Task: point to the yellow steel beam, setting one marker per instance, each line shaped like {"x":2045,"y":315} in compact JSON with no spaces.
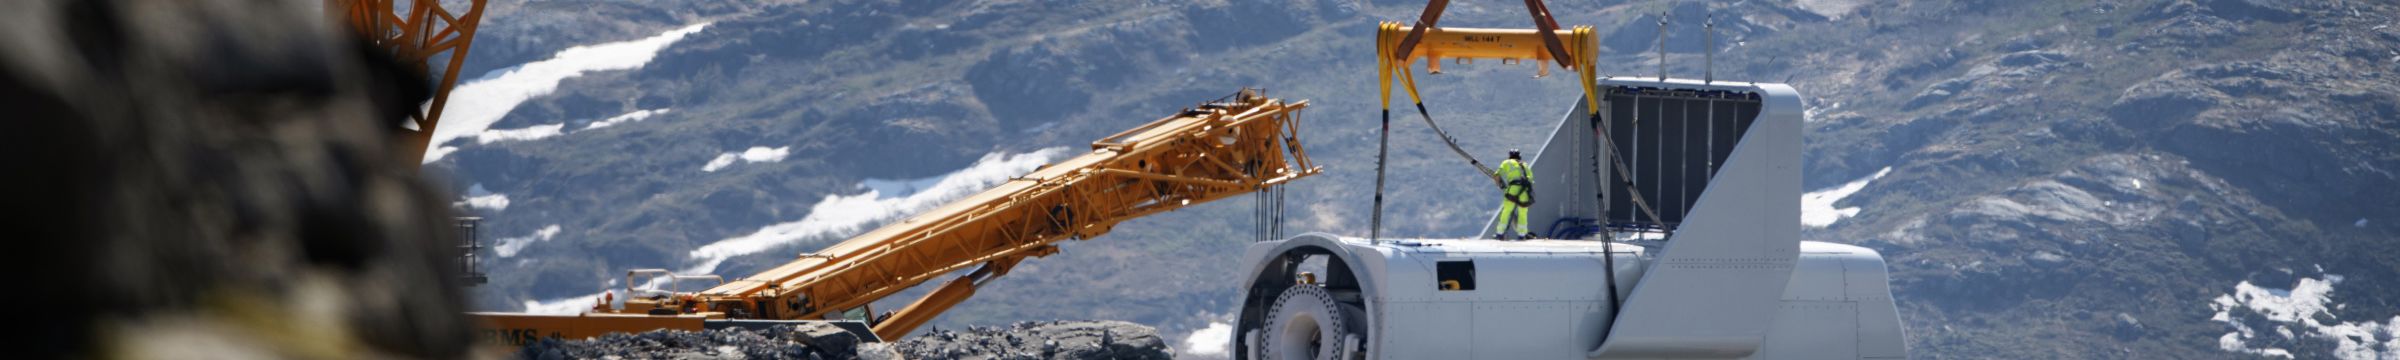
{"x":1473,"y":43}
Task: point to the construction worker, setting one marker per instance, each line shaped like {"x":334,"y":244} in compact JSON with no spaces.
{"x":1516,"y":194}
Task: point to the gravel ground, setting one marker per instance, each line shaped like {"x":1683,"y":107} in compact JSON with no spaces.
{"x":1040,"y":340}
{"x":805,"y":341}
{"x":1026,"y":340}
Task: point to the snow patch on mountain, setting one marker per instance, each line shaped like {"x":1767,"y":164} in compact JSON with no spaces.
{"x":1816,"y":208}
{"x":479,"y":198}
{"x":2303,"y":312}
{"x":510,"y":246}
{"x":844,"y":215}
{"x":636,"y":115}
{"x":536,"y":132}
{"x":756,"y":154}
{"x":1831,"y":9}
{"x":477,"y":104}
{"x":493,"y":202}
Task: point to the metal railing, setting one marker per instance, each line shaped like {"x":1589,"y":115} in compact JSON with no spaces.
{"x":470,"y":244}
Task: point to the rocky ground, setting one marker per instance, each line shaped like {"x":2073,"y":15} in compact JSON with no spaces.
{"x":806,"y":341}
{"x":1040,"y":340}
{"x":1058,"y":340}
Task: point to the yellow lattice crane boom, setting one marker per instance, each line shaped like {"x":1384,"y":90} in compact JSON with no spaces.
{"x":1238,"y":145}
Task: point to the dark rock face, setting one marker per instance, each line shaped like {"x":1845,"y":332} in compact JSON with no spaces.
{"x":889,"y":128}
{"x":1058,"y":76}
{"x":2050,"y":179}
{"x":2330,"y":153}
{"x":511,"y":35}
{"x":1687,"y":30}
{"x":1052,"y":79}
{"x":783,"y":32}
{"x":1242,"y":23}
{"x":1920,"y":66}
{"x":216,"y":176}
{"x":1041,"y":340}
{"x":1028,"y":87}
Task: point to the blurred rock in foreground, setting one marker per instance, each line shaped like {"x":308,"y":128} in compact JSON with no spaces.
{"x":211,"y":179}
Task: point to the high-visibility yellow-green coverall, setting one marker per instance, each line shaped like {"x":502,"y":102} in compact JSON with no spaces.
{"x":1516,"y":193}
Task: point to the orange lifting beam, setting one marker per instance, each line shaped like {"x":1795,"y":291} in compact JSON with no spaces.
{"x":415,"y":33}
{"x":1394,"y":60}
{"x":1242,"y":144}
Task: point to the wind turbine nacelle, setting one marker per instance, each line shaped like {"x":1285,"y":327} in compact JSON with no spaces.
{"x":1712,"y":168}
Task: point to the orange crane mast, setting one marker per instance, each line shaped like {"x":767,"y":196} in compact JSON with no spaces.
{"x":416,"y":33}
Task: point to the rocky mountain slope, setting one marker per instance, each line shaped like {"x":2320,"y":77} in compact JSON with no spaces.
{"x":2111,"y":179}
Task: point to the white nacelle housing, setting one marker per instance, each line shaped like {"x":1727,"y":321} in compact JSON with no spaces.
{"x":1716,"y":167}
{"x":1547,"y":299}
